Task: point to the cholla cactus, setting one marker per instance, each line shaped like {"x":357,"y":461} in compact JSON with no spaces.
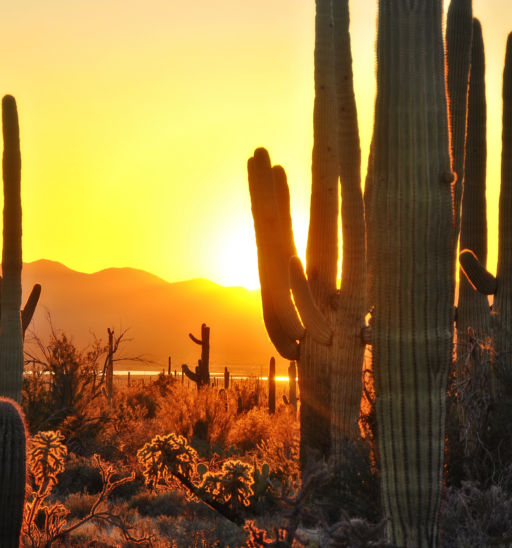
{"x":231,"y":486}
{"x":165,"y":456}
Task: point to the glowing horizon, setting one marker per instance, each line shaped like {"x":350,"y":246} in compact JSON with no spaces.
{"x":137,"y":121}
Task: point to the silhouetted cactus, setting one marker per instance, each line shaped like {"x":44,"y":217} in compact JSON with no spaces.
{"x":12,"y":322}
{"x":292,"y":384}
{"x":13,"y":464}
{"x":202,"y":374}
{"x":226,"y":378}
{"x":412,"y":220}
{"x":473,"y":307}
{"x":331,"y":351}
{"x":272,"y":386}
{"x":483,"y":281}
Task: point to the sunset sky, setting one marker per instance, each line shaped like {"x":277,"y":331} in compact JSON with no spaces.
{"x":138,"y":116}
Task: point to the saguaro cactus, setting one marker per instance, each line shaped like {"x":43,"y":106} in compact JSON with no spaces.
{"x":330,"y":352}
{"x":12,"y":472}
{"x":483,"y":281}
{"x":411,"y":215}
{"x":202,"y":374}
{"x":473,"y":307}
{"x":12,"y":321}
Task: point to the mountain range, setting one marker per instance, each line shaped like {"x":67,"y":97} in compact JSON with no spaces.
{"x":157,"y":315}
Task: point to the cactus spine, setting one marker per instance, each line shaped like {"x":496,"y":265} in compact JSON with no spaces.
{"x":411,"y":213}
{"x":202,"y":374}
{"x":12,"y":321}
{"x":13,"y":464}
{"x":331,"y":351}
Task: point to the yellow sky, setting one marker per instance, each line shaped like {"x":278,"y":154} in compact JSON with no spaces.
{"x":138,"y":116}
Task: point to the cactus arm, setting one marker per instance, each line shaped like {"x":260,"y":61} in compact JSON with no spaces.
{"x":473,"y":307}
{"x":13,"y":437}
{"x":195,"y":339}
{"x":322,"y":245}
{"x":479,"y":278}
{"x":503,"y":299}
{"x":269,"y":202}
{"x":459,"y":29}
{"x":412,"y":326}
{"x":348,"y":350}
{"x":11,"y":337}
{"x":30,"y":306}
{"x":190,"y":374}
{"x":316,"y":324}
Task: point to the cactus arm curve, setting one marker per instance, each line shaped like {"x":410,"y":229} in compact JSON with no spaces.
{"x":316,"y":323}
{"x":30,"y":306}
{"x":190,"y":374}
{"x":195,"y":339}
{"x":480,"y":279}
{"x":274,"y":239}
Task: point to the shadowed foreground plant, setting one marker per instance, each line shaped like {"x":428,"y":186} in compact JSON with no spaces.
{"x":45,"y":523}
{"x":170,"y":456}
{"x":12,"y":472}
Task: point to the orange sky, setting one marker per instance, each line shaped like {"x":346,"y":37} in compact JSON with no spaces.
{"x":137,"y":118}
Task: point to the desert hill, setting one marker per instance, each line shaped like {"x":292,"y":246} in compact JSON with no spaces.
{"x":158,"y":315}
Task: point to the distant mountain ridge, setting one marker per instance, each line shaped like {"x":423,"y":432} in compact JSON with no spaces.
{"x":158,"y":315}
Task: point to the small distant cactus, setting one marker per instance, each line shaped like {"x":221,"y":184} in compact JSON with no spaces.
{"x":202,"y":374}
{"x":272,"y":386}
{"x":13,"y":464}
{"x":226,"y":378}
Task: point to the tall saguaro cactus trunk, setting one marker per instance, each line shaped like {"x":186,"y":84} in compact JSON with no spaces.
{"x":411,"y":212}
{"x":501,"y":285}
{"x":11,"y":338}
{"x":473,"y":307}
{"x":329,"y":351}
{"x":13,"y":322}
{"x":502,"y":307}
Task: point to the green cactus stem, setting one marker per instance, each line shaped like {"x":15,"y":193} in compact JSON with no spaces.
{"x":473,"y":307}
{"x":329,"y":353}
{"x":501,"y":285}
{"x":411,"y":214}
{"x":272,"y":386}
{"x":13,"y":436}
{"x":202,"y":374}
{"x":11,"y":326}
{"x":459,"y":30}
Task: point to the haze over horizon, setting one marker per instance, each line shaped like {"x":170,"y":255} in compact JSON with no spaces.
{"x":137,"y":121}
